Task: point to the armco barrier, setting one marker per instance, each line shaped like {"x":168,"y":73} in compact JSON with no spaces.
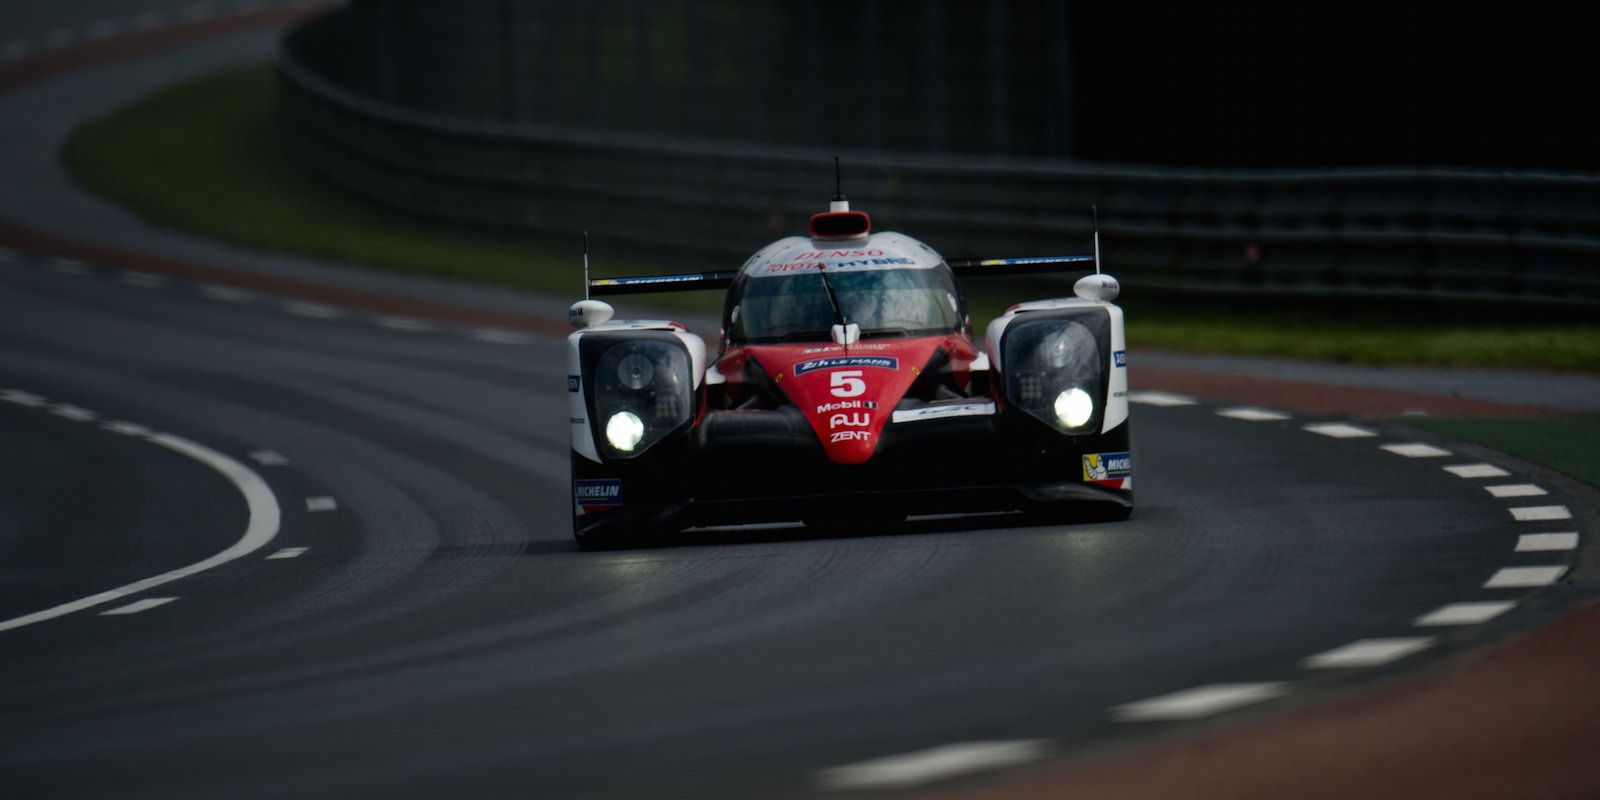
{"x":1531,"y":238}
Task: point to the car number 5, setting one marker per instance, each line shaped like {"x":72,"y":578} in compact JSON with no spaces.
{"x":847,"y":383}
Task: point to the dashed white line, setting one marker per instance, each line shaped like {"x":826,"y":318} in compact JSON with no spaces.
{"x":908,"y":770}
{"x":1252,"y":414}
{"x":72,"y":412}
{"x":137,"y":606}
{"x":406,"y":324}
{"x":321,"y":504}
{"x":289,"y":552}
{"x":268,"y":458}
{"x":1201,"y":701}
{"x":146,"y":280}
{"x":1524,"y":577}
{"x":260,"y":530}
{"x":1463,"y":613}
{"x":67,"y":266}
{"x":501,"y":337}
{"x":1369,"y":653}
{"x":127,"y":428}
{"x":1416,"y":450}
{"x":226,"y":293}
{"x":313,"y":310}
{"x":1339,"y":430}
{"x":1515,"y":490}
{"x":1476,"y":471}
{"x":1540,"y":513}
{"x":1542,"y":542}
{"x":1160,"y":399}
{"x":22,"y":398}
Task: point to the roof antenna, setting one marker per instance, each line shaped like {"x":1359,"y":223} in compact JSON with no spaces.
{"x":1094,"y":212}
{"x":586,"y":265}
{"x":839,"y":203}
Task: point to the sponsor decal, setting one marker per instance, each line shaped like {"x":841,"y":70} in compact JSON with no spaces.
{"x":839,"y":348}
{"x":940,"y":412}
{"x":882,"y":362}
{"x":850,"y":420}
{"x":1120,"y":358}
{"x":578,"y":420}
{"x":844,"y":404}
{"x":841,"y":253}
{"x":850,"y":436}
{"x":1106,"y":466}
{"x":795,"y":266}
{"x":594,"y":495}
{"x":573,"y":383}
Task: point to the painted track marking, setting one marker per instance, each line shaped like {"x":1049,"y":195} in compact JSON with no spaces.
{"x":268,"y":458}
{"x":1540,"y":513}
{"x":1515,"y":490}
{"x":262,"y":527}
{"x":1541,"y":542}
{"x":501,"y":337}
{"x":1369,"y":653}
{"x":289,"y":552}
{"x":1201,"y":701}
{"x":301,"y":308}
{"x":1524,"y":577}
{"x":227,"y":293}
{"x":1339,"y":430}
{"x":406,"y":324}
{"x":1416,"y":450}
{"x":145,"y":280}
{"x":127,"y":428}
{"x":72,"y":412}
{"x":22,"y":398}
{"x":1464,"y":613}
{"x":1160,"y":399}
{"x":321,"y":504}
{"x":1250,"y":414}
{"x":137,"y":606}
{"x":926,"y":766}
{"x":1476,"y":471}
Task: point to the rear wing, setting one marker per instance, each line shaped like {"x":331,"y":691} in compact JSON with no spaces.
{"x":696,"y":281}
{"x":977,"y":267}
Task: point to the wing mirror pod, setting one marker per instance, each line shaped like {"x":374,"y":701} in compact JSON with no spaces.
{"x":589,"y":313}
{"x":1098,"y":287}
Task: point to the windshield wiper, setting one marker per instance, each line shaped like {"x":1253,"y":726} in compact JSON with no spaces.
{"x":833,"y":299}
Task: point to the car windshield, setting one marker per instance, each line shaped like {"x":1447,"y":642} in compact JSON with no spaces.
{"x":884,"y":302}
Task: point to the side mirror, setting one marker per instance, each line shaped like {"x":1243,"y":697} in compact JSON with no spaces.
{"x":1099,"y":287}
{"x":589,"y":313}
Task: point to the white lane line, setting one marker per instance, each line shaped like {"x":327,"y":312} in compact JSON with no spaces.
{"x":1463,"y":613}
{"x":1201,"y":701}
{"x":1542,"y":542}
{"x":1160,"y":399}
{"x":59,"y":38}
{"x":1524,"y":577}
{"x":1339,"y":430}
{"x":15,"y":50}
{"x":1252,"y":414}
{"x":1515,"y":490}
{"x":1369,"y":653}
{"x":226,"y":293}
{"x":313,"y":310}
{"x":289,"y":552}
{"x":137,"y":606}
{"x":406,"y":324}
{"x":262,"y":527}
{"x":67,"y":266}
{"x":127,"y":428}
{"x":501,"y":337}
{"x":907,"y":770}
{"x":1416,"y":450}
{"x":1476,"y":471}
{"x":268,"y":458}
{"x":74,"y":413}
{"x":22,"y":398}
{"x":146,"y":280}
{"x":1540,"y":513}
{"x":321,"y":504}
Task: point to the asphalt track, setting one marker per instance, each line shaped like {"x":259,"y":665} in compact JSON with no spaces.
{"x":418,"y":624}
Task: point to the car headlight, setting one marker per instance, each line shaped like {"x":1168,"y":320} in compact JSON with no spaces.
{"x":1054,"y":372}
{"x":642,"y":392}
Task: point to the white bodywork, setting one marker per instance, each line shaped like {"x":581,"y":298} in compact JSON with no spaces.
{"x":578,"y":403}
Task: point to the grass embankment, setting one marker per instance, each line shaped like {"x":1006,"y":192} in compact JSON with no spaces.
{"x":1565,"y":444}
{"x":203,"y":157}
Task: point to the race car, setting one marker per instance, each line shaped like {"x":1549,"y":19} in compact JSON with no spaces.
{"x":848,"y":389}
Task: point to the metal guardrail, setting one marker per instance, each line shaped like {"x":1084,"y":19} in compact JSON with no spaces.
{"x":1532,"y":238}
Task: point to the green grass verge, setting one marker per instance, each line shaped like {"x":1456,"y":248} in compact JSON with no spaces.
{"x":203,"y":157}
{"x":1565,"y":444}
